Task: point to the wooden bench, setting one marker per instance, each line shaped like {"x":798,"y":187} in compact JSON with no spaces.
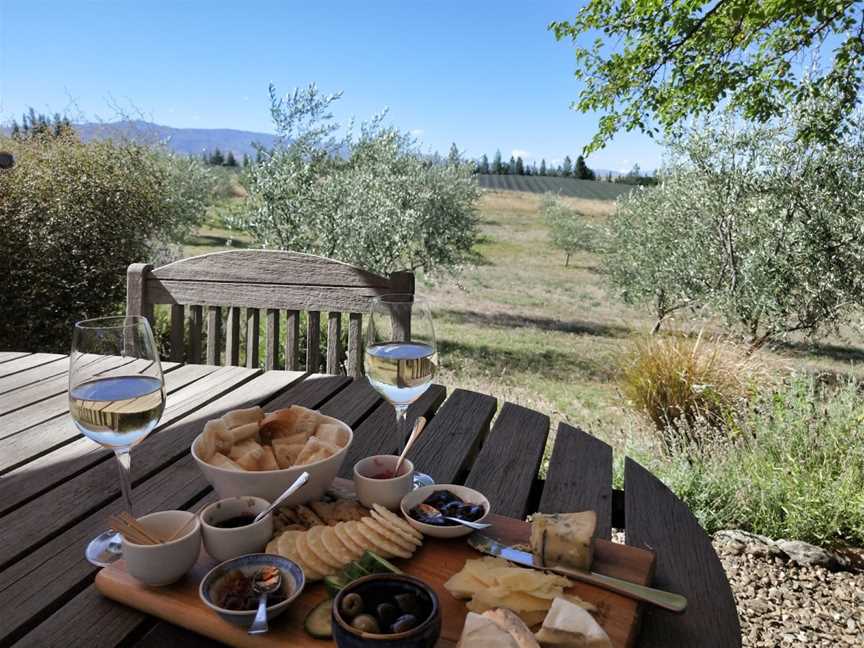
{"x":256,"y":280}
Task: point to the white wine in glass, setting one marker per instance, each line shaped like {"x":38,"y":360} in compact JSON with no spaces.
{"x":116,"y":398}
{"x":401,"y":356}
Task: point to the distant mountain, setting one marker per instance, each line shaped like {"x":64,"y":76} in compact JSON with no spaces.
{"x":191,"y":141}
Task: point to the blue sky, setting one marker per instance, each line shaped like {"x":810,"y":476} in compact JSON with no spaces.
{"x":485,"y":75}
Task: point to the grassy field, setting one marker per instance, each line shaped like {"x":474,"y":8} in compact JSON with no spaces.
{"x":570,"y":187}
{"x":524,"y":328}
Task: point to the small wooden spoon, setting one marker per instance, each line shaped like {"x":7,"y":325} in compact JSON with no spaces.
{"x":419,"y":424}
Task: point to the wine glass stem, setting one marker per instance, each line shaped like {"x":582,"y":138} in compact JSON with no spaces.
{"x":124,"y":461}
{"x":402,"y":424}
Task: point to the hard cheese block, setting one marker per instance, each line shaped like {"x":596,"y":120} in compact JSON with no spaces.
{"x":563,"y":539}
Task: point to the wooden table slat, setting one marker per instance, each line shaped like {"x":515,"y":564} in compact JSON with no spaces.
{"x":449,"y":443}
{"x":6,"y":356}
{"x":509,"y":461}
{"x":313,"y":392}
{"x":28,"y":362}
{"x":580,"y":477}
{"x":352,"y":403}
{"x":686,"y":563}
{"x":377,"y":433}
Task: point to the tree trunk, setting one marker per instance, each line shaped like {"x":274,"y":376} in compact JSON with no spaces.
{"x":567,"y":260}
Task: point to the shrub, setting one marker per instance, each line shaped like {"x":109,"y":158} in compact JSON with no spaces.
{"x":753,"y":222}
{"x":794,"y":472}
{"x":72,"y":217}
{"x":676,"y":381}
{"x":374,"y":201}
{"x":570,"y":230}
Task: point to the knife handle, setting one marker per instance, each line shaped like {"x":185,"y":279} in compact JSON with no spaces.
{"x":666,"y":600}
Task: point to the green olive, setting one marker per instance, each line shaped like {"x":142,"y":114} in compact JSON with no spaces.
{"x":366,"y":623}
{"x":352,"y":605}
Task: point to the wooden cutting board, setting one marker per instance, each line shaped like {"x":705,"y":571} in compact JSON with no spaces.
{"x":434,"y":563}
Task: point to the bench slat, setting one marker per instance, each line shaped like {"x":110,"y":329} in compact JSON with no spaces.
{"x":580,"y":477}
{"x":253,"y":321}
{"x":232,"y":337}
{"x":355,"y":345}
{"x":313,"y":340}
{"x":196,"y":322}
{"x":292,"y":340}
{"x":272,"y":359}
{"x":510,"y":458}
{"x":334,"y":342}
{"x":214,"y":335}
{"x":178,"y":319}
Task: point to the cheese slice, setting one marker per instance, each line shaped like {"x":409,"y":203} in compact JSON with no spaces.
{"x":569,"y":626}
{"x":510,"y":622}
{"x":482,"y":632}
{"x":564,"y":539}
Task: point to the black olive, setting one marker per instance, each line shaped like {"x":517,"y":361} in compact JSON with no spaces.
{"x":441,"y":497}
{"x":452,"y":509}
{"x":472,"y":512}
{"x":352,"y":605}
{"x":366,"y":623}
{"x":407,"y":602}
{"x":404,"y":623}
{"x":387,"y":614}
{"x":426,"y":518}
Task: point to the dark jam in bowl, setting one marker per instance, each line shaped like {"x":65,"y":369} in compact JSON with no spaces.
{"x":236,"y":522}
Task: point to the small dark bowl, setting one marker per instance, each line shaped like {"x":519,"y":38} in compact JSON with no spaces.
{"x":424,"y":635}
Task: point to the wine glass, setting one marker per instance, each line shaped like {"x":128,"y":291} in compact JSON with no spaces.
{"x":116,"y":398}
{"x":401,"y":356}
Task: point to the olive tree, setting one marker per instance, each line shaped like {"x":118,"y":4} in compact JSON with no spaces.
{"x":569,"y":230}
{"x":752,"y":222}
{"x":370,"y":199}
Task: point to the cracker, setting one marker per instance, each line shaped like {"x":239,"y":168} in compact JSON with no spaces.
{"x":338,"y":548}
{"x":325,"y":511}
{"x":316,"y":544}
{"x":345,"y":538}
{"x":396,"y":521}
{"x":347,"y":510}
{"x":401,"y":532}
{"x":388,"y":534}
{"x":307,"y":516}
{"x":353,"y":531}
{"x":380,"y":544}
{"x":287,"y":547}
{"x":305,"y":553}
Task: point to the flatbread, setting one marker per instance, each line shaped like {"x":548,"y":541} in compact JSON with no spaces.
{"x":396,"y":522}
{"x":316,"y":544}
{"x":389,"y":534}
{"x":335,"y":546}
{"x":381,"y":544}
{"x":304,"y":551}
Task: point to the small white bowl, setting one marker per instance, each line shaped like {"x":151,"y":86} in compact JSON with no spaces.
{"x":270,"y":484}
{"x":292,"y":576}
{"x":468,"y":495}
{"x":385,"y":492}
{"x":223,"y":544}
{"x":166,"y":563}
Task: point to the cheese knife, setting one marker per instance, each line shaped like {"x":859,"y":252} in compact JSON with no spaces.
{"x":666,"y":600}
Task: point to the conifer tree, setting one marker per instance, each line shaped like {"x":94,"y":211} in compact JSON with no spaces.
{"x":230,"y":160}
{"x":520,"y":166}
{"x":483,"y":166}
{"x":511,"y":167}
{"x":497,"y":167}
{"x":567,"y":167}
{"x":543,"y":167}
{"x":454,"y":156}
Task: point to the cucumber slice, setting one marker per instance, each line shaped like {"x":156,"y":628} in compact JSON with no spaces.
{"x":375,"y":564}
{"x":318,"y":621}
{"x":335,"y":583}
{"x":353,"y":571}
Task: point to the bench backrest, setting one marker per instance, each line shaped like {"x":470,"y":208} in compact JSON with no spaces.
{"x":255,"y":281}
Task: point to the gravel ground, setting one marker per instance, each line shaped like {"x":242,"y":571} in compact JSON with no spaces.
{"x":784,"y":604}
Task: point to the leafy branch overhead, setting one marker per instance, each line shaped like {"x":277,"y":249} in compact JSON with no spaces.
{"x":653,"y":63}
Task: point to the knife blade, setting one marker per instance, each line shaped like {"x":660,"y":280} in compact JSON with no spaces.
{"x":666,"y":600}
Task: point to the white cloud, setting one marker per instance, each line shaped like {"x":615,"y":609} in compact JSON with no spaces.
{"x":417,"y":132}
{"x":525,"y":155}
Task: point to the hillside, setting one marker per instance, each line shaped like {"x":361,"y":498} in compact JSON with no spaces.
{"x":570,"y":187}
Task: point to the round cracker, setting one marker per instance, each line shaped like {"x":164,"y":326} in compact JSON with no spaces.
{"x":396,"y":531}
{"x":287,"y":547}
{"x":353,"y":530}
{"x":336,"y":547}
{"x":396,"y":522}
{"x":346,"y":539}
{"x":380,"y":543}
{"x":316,"y":544}
{"x":385,"y":532}
{"x":308,"y":557}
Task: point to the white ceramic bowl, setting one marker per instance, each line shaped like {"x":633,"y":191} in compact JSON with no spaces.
{"x":223,"y":544}
{"x":270,"y":484}
{"x":468,"y":495}
{"x":292,"y":575}
{"x":385,"y":492}
{"x":166,"y":563}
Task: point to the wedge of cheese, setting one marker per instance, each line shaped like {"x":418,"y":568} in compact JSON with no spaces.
{"x":483,"y":632}
{"x":569,"y":626}
{"x":514,"y":626}
{"x":564,"y":539}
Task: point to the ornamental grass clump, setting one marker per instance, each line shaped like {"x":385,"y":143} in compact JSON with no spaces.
{"x":676,"y":381}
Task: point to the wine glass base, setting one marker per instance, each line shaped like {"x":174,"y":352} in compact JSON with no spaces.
{"x":422,"y":479}
{"x":104,"y":549}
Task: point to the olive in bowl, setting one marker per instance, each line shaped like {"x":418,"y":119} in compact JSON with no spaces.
{"x":386,"y":610}
{"x":424,"y":508}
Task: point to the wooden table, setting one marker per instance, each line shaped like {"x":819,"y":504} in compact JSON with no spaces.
{"x":57,"y":489}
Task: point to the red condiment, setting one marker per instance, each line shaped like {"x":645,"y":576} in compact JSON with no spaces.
{"x":385,"y":474}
